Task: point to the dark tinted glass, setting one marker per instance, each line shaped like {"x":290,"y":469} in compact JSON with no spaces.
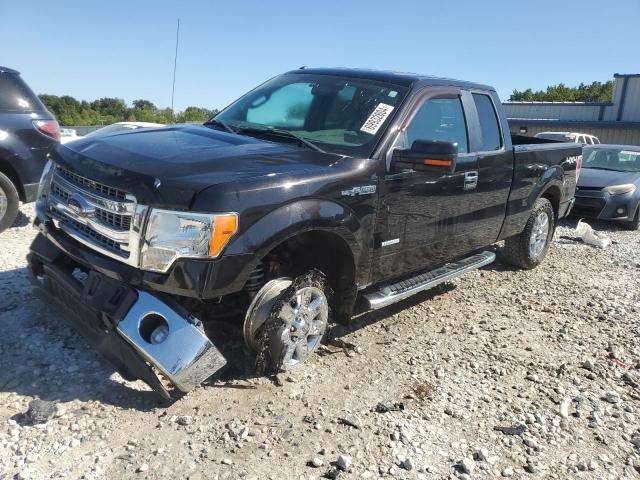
{"x":488,"y":122}
{"x":15,"y":96}
{"x":439,"y":119}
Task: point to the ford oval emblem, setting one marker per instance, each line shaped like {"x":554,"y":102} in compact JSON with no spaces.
{"x":80,"y":206}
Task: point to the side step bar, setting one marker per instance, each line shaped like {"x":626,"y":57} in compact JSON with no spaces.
{"x":388,"y":294}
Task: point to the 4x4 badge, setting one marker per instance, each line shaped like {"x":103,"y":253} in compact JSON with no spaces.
{"x":365,"y":190}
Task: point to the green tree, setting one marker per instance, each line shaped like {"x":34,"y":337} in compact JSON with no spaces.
{"x":104,"y":111}
{"x":594,"y":92}
{"x":195,"y":114}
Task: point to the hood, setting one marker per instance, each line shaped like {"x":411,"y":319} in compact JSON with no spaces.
{"x":183,"y":159}
{"x":596,"y":178}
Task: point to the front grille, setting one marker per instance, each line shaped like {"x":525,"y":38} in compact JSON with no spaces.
{"x":121,"y":222}
{"x":91,"y":234}
{"x":96,"y":215}
{"x":588,"y":207}
{"x":92,"y":185}
{"x":111,"y":219}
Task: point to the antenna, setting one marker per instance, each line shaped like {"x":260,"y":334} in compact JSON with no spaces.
{"x":175,"y":63}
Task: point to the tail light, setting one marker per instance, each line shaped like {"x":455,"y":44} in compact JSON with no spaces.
{"x":578,"y":167}
{"x":48,"y":127}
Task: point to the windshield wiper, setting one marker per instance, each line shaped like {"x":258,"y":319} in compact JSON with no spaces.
{"x":276,"y":132}
{"x":220,"y":123}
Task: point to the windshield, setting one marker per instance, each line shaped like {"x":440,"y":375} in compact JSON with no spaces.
{"x":337,"y":114}
{"x":612,"y":159}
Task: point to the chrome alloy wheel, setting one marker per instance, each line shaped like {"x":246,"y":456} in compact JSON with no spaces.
{"x":4,"y":203}
{"x":539,"y":234}
{"x":305,"y":318}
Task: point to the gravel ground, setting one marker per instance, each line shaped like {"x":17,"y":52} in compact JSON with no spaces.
{"x":552,"y":354}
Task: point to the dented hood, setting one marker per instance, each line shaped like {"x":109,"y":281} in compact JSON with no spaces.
{"x":182,"y":160}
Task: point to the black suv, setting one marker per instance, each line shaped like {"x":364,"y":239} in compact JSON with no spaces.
{"x":28,"y":132}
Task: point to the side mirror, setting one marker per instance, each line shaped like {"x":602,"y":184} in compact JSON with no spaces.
{"x":427,"y":156}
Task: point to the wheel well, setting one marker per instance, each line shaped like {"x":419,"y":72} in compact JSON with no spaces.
{"x":553,"y":195}
{"x":326,"y":251}
{"x":7,"y":169}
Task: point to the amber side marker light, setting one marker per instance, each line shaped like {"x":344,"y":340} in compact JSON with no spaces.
{"x":437,"y":163}
{"x":224,"y":227}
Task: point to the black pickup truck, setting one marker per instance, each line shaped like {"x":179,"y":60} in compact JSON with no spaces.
{"x":320,"y":192}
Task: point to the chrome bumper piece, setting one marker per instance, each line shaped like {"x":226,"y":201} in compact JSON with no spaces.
{"x":186,"y":357}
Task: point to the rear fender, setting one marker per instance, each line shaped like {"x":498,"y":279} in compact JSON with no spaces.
{"x":519,"y":209}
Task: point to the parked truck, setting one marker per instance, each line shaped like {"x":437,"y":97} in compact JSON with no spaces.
{"x":319,"y":193}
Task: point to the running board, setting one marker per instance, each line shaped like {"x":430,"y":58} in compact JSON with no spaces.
{"x":388,"y":294}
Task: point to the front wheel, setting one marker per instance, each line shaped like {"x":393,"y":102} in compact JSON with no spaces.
{"x":528,"y":249}
{"x":295,"y":325}
{"x":9,"y":202}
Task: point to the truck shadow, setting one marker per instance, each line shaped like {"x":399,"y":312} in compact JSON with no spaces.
{"x":42,"y":357}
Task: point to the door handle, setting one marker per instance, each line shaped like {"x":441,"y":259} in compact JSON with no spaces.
{"x":470,"y":180}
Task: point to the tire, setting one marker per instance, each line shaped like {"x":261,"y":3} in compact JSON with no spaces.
{"x":528,"y":249}
{"x":296,"y":325}
{"x":9,"y":202}
{"x":635,"y":223}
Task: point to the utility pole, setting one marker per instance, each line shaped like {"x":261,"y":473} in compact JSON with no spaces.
{"x":175,"y":64}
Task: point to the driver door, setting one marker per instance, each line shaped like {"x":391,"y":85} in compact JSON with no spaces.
{"x":425,"y":218}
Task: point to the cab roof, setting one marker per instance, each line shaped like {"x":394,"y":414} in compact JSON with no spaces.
{"x":8,"y":70}
{"x":396,"y":78}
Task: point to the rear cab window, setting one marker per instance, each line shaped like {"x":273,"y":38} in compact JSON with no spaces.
{"x":489,"y":127}
{"x":16,"y":96}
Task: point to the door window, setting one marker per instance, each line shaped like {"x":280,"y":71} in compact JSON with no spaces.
{"x":439,"y":119}
{"x":489,"y":127}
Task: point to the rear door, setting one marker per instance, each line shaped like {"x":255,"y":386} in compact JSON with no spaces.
{"x":495,"y":167}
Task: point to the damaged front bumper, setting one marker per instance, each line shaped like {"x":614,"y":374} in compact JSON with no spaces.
{"x":138,"y":333}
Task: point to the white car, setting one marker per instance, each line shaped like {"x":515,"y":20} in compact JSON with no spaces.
{"x":572,"y":137}
{"x":68,"y":134}
{"x":122,"y":127}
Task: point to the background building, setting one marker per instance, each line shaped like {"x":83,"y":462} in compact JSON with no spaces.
{"x":612,"y":122}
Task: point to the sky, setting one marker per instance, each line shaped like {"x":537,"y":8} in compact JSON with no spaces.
{"x":126,"y":49}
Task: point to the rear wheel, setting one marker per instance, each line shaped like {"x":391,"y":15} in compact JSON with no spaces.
{"x":635,"y":223}
{"x":528,"y":249}
{"x":9,"y":202}
{"x":287,"y":327}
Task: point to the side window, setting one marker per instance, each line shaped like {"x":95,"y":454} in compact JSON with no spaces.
{"x":489,"y":128}
{"x":439,"y":119}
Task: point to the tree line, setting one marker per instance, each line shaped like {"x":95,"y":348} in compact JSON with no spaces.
{"x":594,"y":92}
{"x":104,"y":111}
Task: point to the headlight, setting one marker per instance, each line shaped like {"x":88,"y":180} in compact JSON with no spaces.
{"x":171,"y":235}
{"x":620,"y":189}
{"x":45,"y":179}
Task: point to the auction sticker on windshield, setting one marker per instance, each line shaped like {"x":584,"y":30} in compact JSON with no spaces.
{"x":377,"y":118}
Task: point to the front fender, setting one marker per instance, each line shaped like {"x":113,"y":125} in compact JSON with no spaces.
{"x":294,"y":218}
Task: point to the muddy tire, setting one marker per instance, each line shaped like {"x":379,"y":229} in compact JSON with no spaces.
{"x":9,"y":202}
{"x":296,"y":325}
{"x":528,"y":249}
